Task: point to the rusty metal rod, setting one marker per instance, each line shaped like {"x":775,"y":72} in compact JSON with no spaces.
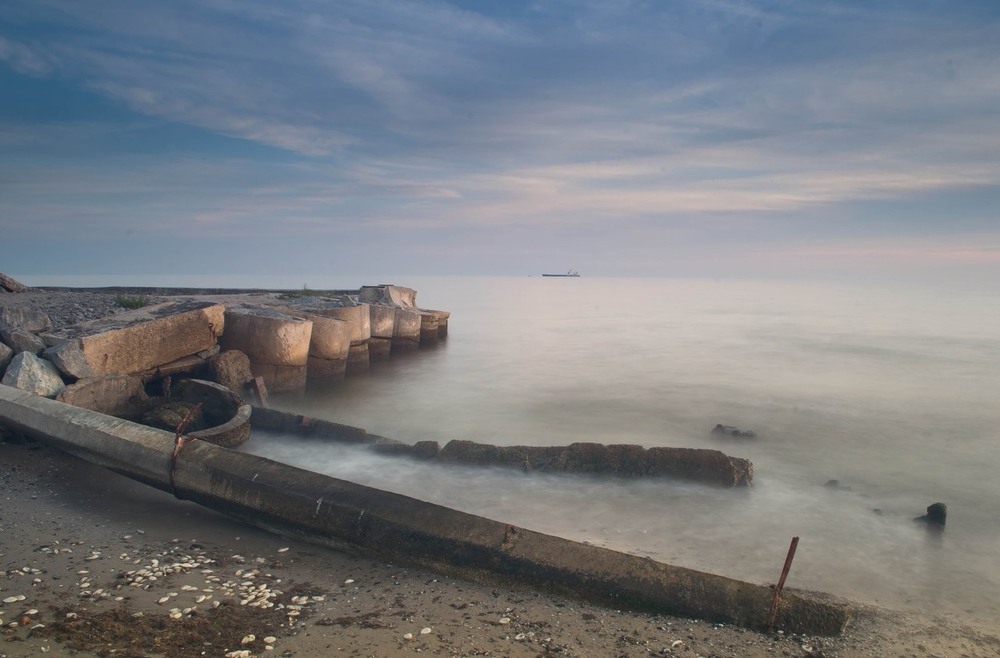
{"x":781,"y":583}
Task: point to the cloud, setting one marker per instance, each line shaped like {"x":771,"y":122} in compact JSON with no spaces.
{"x":356,"y":117}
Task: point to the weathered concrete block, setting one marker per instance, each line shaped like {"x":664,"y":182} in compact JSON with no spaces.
{"x":152,"y":338}
{"x":428,"y":328}
{"x":24,"y":318}
{"x":388,"y":294}
{"x":326,"y":369}
{"x":356,"y":316}
{"x":358,"y":359}
{"x":276,"y":343}
{"x":407,"y":326}
{"x":267,"y":336}
{"x":379,"y":348}
{"x":69,"y":358}
{"x":21,"y":340}
{"x":383,"y":320}
{"x":115,"y":395}
{"x":34,"y":375}
{"x":282,"y":379}
{"x":331,"y":338}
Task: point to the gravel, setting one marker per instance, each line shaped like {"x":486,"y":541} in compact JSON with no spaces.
{"x":67,"y":307}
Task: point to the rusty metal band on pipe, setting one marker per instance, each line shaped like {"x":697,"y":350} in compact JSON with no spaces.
{"x":340,"y":514}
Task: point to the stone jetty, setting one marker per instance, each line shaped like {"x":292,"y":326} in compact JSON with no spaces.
{"x":290,"y":339}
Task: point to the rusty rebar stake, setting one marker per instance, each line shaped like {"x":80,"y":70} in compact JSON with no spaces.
{"x":179,"y":442}
{"x":773,"y":612}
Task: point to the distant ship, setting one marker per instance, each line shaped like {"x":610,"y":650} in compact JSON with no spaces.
{"x":572,"y":273}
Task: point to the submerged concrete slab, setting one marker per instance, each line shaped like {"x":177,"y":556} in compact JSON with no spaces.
{"x":341,"y":514}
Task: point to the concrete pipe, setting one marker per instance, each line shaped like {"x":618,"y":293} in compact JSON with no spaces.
{"x":339,"y":514}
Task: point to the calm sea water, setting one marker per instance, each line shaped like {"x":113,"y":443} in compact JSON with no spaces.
{"x":891,"y":391}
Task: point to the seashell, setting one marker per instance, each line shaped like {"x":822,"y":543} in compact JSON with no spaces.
{"x":164,"y":599}
{"x":248,"y":639}
{"x":283,"y":550}
{"x":270,"y":639}
{"x":408,"y":636}
{"x":426,"y":631}
{"x":520,"y":636}
{"x":504,"y":620}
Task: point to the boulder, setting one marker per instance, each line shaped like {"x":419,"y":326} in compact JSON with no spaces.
{"x":34,"y":375}
{"x":729,"y":430}
{"x":69,"y":358}
{"x":7,"y":284}
{"x":24,"y":318}
{"x":6,"y":354}
{"x":232,"y":370}
{"x":21,"y":340}
{"x":937,"y":514}
{"x":115,"y":395}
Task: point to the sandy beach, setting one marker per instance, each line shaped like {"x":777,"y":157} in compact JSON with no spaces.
{"x":98,"y":565}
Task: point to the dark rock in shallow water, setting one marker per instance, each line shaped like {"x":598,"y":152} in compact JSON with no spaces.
{"x":937,"y":514}
{"x":729,"y":430}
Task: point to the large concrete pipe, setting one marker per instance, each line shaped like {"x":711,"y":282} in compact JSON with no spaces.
{"x":335,"y":513}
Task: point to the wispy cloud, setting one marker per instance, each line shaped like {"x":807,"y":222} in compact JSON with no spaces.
{"x":430,"y":116}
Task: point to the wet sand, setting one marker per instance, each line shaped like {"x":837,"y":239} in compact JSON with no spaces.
{"x":94,"y":554}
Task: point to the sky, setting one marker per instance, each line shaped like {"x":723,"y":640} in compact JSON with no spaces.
{"x":701,"y":138}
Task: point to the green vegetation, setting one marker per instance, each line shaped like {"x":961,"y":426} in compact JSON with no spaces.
{"x":132,"y":301}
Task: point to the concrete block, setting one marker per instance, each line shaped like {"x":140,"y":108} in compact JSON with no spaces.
{"x":267,"y":336}
{"x":140,"y":342}
{"x":383,"y":320}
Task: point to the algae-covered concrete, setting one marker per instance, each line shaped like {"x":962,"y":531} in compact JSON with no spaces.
{"x":341,"y":514}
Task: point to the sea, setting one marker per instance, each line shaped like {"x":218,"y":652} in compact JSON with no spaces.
{"x":869,"y":402}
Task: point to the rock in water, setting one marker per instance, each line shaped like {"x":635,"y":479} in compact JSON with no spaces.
{"x":937,"y":514}
{"x":729,"y":430}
